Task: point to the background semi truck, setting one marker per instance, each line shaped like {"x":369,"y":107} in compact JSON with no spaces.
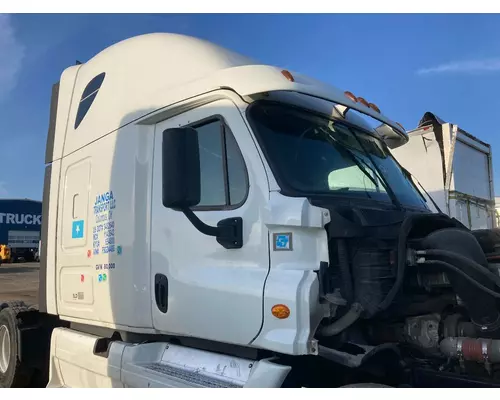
{"x":455,"y":168}
{"x":209,"y":221}
{"x":20,"y":224}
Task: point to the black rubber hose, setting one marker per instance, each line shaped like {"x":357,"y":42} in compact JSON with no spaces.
{"x":340,"y":325}
{"x":449,"y":254}
{"x":463,"y":274}
{"x":403,"y":235}
{"x":345,"y":271}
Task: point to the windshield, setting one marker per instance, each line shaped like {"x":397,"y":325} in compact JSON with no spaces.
{"x":313,"y":154}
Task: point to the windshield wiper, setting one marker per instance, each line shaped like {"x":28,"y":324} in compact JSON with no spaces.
{"x":390,"y":192}
{"x":410,"y":178}
{"x":354,"y":158}
{"x":359,"y":163}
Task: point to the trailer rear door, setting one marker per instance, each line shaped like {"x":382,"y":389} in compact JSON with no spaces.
{"x":471,"y":171}
{"x":471,"y":185}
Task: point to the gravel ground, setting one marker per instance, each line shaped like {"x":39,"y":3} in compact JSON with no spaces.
{"x":19,"y":282}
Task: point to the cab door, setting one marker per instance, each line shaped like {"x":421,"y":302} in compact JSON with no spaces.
{"x":202,"y":289}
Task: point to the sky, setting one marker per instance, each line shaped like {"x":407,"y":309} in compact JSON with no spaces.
{"x":406,"y":64}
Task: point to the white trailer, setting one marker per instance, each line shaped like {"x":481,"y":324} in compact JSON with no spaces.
{"x":454,"y":167}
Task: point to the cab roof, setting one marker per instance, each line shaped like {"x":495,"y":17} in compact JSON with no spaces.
{"x":143,"y":74}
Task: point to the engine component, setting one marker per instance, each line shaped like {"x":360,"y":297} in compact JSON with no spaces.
{"x":433,"y":281}
{"x":345,"y":270}
{"x":457,"y":325}
{"x":423,"y":331}
{"x":481,"y":306}
{"x":469,"y":349}
{"x":367,"y":249}
{"x":373,"y":273}
{"x":489,"y":240}
{"x":419,"y":224}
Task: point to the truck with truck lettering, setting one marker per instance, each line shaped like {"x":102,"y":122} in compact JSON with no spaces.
{"x":211,"y":221}
{"x":20,"y":225}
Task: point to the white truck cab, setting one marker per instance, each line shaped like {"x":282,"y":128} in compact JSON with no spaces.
{"x":195,"y":206}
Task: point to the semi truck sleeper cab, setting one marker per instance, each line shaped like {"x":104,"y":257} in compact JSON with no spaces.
{"x":209,"y":221}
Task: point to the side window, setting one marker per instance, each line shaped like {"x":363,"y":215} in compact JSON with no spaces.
{"x":88,"y":97}
{"x":224,"y":179}
{"x":213,"y":188}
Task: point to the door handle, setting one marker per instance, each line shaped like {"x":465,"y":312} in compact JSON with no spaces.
{"x":161,"y":292}
{"x":74,"y":207}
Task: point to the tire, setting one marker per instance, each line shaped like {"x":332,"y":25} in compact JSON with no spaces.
{"x":366,"y":385}
{"x":13,"y":374}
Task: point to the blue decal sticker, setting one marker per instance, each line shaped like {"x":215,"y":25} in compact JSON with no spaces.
{"x":119,"y":249}
{"x":99,"y":278}
{"x":77,"y":229}
{"x":282,"y":241}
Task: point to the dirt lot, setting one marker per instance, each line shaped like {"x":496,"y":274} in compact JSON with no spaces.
{"x":19,"y":282}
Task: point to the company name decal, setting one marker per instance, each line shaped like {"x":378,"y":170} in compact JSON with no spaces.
{"x":20,"y":219}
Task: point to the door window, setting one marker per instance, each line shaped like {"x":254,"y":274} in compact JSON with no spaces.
{"x":224,"y":179}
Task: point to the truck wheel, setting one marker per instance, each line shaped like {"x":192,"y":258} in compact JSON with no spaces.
{"x":366,"y":385}
{"x":12,"y":372}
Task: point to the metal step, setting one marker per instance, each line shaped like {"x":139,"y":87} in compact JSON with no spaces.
{"x":190,"y":377}
{"x":169,"y":365}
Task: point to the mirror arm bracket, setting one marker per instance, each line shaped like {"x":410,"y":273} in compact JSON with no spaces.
{"x":199,"y":224}
{"x":229,"y":231}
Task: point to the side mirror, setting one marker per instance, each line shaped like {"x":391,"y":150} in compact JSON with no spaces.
{"x":181,"y":168}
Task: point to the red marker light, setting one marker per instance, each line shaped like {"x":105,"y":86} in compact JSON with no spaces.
{"x":82,"y":278}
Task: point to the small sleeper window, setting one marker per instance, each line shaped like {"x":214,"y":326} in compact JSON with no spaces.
{"x":88,"y":97}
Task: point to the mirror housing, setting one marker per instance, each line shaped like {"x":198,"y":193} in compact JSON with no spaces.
{"x":181,"y":182}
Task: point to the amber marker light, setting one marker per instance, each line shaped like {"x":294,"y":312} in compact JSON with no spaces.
{"x":280,"y":311}
{"x":288,"y":75}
